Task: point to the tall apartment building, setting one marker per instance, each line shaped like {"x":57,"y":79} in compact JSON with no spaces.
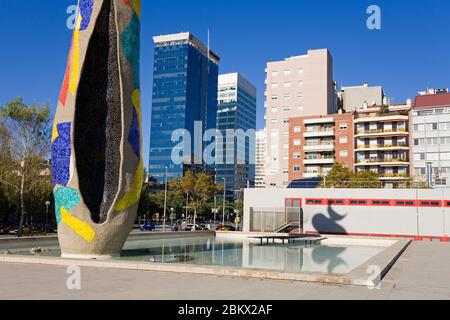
{"x":184,"y":91}
{"x":297,"y":86}
{"x":382,"y":142}
{"x":431,"y":136}
{"x":317,"y":142}
{"x":356,"y":97}
{"x":260,"y":174}
{"x":236,"y":111}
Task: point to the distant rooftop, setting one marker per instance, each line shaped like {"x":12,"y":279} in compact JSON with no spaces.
{"x":185,"y":37}
{"x":237,"y":78}
{"x":432,"y":101}
{"x":364,"y":85}
{"x":303,"y":56}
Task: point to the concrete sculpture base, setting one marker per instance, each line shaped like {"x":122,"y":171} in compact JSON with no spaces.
{"x":97,"y":163}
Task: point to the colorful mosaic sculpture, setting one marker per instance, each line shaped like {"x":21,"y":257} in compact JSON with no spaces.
{"x":97,"y":134}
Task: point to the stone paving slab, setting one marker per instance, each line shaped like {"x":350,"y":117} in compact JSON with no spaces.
{"x":420,"y":273}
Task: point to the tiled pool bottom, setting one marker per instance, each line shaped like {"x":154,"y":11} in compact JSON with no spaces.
{"x":328,"y":258}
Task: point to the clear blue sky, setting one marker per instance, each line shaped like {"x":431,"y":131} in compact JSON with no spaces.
{"x":410,"y":53}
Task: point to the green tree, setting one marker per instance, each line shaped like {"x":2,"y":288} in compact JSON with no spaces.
{"x":365,"y":179}
{"x":342,"y":177}
{"x":384,"y":109}
{"x":25,"y":145}
{"x":175,"y":200}
{"x":239,"y":206}
{"x":338,"y":177}
{"x":198,"y":188}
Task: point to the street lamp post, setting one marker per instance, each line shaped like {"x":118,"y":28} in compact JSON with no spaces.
{"x":165,"y":204}
{"x":47,"y":204}
{"x":224,"y":196}
{"x":172,"y":211}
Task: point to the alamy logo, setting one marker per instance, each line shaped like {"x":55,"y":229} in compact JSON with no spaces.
{"x":213,"y":146}
{"x":374,"y":280}
{"x":374,"y":20}
{"x":71,"y":21}
{"x":74,"y":280}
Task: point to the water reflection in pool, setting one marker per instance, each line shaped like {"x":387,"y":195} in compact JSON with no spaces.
{"x":220,"y":252}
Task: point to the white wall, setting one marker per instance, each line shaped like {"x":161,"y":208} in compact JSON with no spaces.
{"x":374,"y":220}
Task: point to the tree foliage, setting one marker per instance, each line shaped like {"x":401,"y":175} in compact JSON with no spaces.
{"x":24,"y":147}
{"x":199,"y":188}
{"x":340,"y":176}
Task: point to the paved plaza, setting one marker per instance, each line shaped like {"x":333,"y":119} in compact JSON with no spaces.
{"x":422,"y":272}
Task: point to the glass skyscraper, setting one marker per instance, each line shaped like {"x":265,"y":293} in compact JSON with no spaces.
{"x":236,"y":113}
{"x":185,"y":79}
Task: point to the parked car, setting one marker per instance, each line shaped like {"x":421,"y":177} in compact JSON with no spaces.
{"x":226,"y":228}
{"x":147,"y":227}
{"x":190,"y":227}
{"x":4,"y":231}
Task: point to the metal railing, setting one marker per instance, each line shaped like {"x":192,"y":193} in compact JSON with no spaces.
{"x":274,"y":219}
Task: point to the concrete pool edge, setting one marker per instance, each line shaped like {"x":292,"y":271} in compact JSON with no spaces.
{"x":359,"y":276}
{"x":383,"y":261}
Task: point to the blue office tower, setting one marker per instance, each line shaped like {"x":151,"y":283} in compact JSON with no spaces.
{"x":236,"y":113}
{"x":185,"y":78}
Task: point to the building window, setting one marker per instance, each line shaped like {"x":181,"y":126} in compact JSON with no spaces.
{"x":286,"y":121}
{"x":300,"y":95}
{"x":297,"y":169}
{"x":274,"y":121}
{"x":285,"y":171}
{"x":297,"y":142}
{"x":297,"y":155}
{"x":286,"y":146}
{"x":445,"y":156}
{"x":343,"y":140}
{"x":274,"y":85}
{"x":287,"y":84}
{"x":343,"y":126}
{"x":287,"y":97}
{"x":300,"y":108}
{"x":300,"y":83}
{"x":274,"y":73}
{"x":300,"y":71}
{"x":274,"y":109}
{"x":419,"y":171}
{"x":287,"y":108}
{"x":343,"y":154}
{"x":297,"y":129}
{"x":287,"y":72}
{"x":274,"y":97}
{"x":419,"y":157}
{"x":432,"y":156}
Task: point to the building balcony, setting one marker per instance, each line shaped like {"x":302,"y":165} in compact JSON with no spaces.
{"x":394,"y":176}
{"x":319,"y":133}
{"x":319,"y":160}
{"x":382,"y":147}
{"x":311,"y":174}
{"x":382,"y":117}
{"x":381,"y":132}
{"x":320,"y":147}
{"x":318,"y":121}
{"x":383,"y":162}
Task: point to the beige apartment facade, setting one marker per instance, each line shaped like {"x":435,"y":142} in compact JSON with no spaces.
{"x":260,"y":157}
{"x":356,"y":97}
{"x":382,"y":143}
{"x":295,"y":87}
